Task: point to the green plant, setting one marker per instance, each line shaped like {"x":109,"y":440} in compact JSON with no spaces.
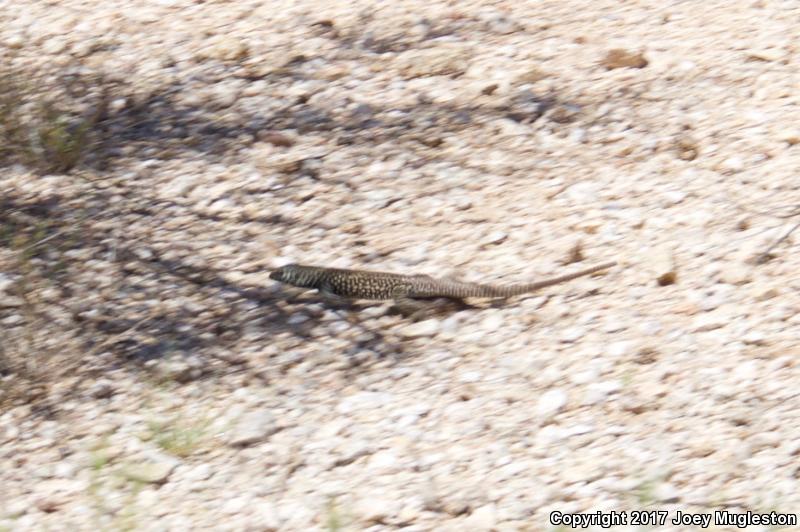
{"x":179,"y":440}
{"x":59,"y":142}
{"x":645,"y":493}
{"x":333,"y":517}
{"x":104,"y":482}
{"x":44,"y":125}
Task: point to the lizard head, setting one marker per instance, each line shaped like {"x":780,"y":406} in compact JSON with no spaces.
{"x":294,"y":274}
{"x":284,"y":274}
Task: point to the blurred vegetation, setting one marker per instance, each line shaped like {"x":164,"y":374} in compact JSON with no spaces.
{"x":34,"y":261}
{"x":49,"y":126}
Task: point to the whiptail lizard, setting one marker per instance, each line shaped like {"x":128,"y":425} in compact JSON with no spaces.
{"x":406,"y":290}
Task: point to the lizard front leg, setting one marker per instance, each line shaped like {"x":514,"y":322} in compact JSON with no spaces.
{"x":332,"y":299}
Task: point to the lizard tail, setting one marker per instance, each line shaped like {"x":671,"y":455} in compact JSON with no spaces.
{"x":532,"y":287}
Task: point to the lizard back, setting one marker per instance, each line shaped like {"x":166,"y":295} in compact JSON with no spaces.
{"x":367,"y":285}
{"x":356,"y":284}
{"x":364,"y":284}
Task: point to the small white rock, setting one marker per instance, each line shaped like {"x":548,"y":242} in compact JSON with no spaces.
{"x":364,"y":401}
{"x":383,"y":460}
{"x":733,"y":164}
{"x":673,"y":197}
{"x":200,"y":473}
{"x":54,"y":46}
{"x":102,"y":389}
{"x":470,"y":376}
{"x":149,"y":472}
{"x":495,"y":237}
{"x":599,"y":391}
{"x":17,"y":508}
{"x":572,"y":334}
{"x":586,"y":376}
{"x":790,"y":137}
{"x":483,"y":519}
{"x":708,"y":322}
{"x":620,"y":349}
{"x":15,"y":41}
{"x":492,"y":322}
{"x":551,"y":402}
{"x":253,"y":427}
{"x":6,"y":283}
{"x":422,"y":328}
{"x":666,"y":493}
{"x":754,"y":338}
{"x":64,"y":470}
{"x":662,"y":264}
{"x":266,"y":516}
{"x":236,"y":505}
{"x":11,"y":301}
{"x":375,"y":509}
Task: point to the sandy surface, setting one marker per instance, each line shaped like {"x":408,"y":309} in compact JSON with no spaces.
{"x":494,"y":143}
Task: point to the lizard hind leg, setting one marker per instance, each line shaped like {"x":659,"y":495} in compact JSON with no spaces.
{"x":413,"y":309}
{"x":420,"y":309}
{"x":407,"y":306}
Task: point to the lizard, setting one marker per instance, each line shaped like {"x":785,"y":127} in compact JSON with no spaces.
{"x":406,"y":290}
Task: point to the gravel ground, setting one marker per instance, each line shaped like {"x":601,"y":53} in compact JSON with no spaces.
{"x":494,"y":143}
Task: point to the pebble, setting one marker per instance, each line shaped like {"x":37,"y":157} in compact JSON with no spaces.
{"x":11,"y":301}
{"x":64,"y":470}
{"x":15,"y":41}
{"x":236,"y":505}
{"x":709,"y":321}
{"x":736,"y":274}
{"x":584,"y":376}
{"x":483,"y":518}
{"x":16,"y":508}
{"x":674,"y":197}
{"x":767,"y":54}
{"x":790,"y":137}
{"x":620,"y":349}
{"x":621,"y":58}
{"x":495,"y":237}
{"x":471,"y":376}
{"x":375,"y":509}
{"x":266,"y":517}
{"x":754,"y":338}
{"x":423,"y":328}
{"x":384,"y":461}
{"x":666,"y":493}
{"x":6,"y":284}
{"x":733,"y":164}
{"x":253,"y":427}
{"x":599,"y":391}
{"x":572,"y":334}
{"x":48,"y":504}
{"x":364,"y":401}
{"x":180,"y":186}
{"x":448,"y":60}
{"x":493,"y":321}
{"x":149,"y":472}
{"x":102,"y":389}
{"x":662,"y":263}
{"x":199,"y":473}
{"x":764,"y":293}
{"x":54,"y":46}
{"x":228,"y":49}
{"x":178,"y":370}
{"x":551,"y":402}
